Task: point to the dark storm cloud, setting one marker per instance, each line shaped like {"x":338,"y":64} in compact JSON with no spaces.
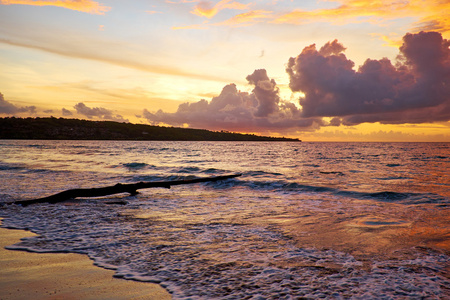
{"x":415,"y":90}
{"x":236,"y":110}
{"x":9,"y":108}
{"x":98,"y":112}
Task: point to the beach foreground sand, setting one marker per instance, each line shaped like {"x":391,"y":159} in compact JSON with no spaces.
{"x":25,"y":275}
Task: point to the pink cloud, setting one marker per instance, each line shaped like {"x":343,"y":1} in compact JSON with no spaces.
{"x":262,"y":109}
{"x":415,"y":90}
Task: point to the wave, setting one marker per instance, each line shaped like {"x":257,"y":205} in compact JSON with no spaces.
{"x":258,"y":180}
{"x":214,"y":171}
{"x":188,"y":170}
{"x":262,"y":174}
{"x":393,"y":178}
{"x":9,"y":167}
{"x":277,"y":183}
{"x":135,"y":165}
{"x":332,"y":173}
{"x":283,"y":186}
{"x":25,"y":170}
{"x":393,"y":165}
{"x":222,"y":260}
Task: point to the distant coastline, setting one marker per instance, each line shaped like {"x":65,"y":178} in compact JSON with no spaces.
{"x":76,"y":129}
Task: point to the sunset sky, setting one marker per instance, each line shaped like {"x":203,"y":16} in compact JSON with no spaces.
{"x":342,"y":70}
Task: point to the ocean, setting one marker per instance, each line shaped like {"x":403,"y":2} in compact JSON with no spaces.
{"x":305,"y":220}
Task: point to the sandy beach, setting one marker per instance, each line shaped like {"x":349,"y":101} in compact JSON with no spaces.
{"x":25,"y":275}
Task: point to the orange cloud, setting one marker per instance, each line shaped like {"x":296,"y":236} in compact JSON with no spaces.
{"x":87,"y":6}
{"x":393,"y":40}
{"x":244,"y":19}
{"x":247,"y":18}
{"x":432,"y":14}
{"x":208,"y":10}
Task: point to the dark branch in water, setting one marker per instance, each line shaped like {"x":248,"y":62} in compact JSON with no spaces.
{"x":117,"y":189}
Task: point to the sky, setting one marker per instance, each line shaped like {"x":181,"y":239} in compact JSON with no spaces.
{"x":341,"y":70}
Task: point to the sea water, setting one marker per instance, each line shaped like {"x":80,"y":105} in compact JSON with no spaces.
{"x":311,"y":220}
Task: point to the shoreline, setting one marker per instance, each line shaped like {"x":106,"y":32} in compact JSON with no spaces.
{"x":28,"y":275}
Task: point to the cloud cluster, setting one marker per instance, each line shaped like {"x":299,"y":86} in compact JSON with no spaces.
{"x":96,"y":112}
{"x":9,"y":108}
{"x":432,"y":14}
{"x":87,"y":6}
{"x":414,"y":90}
{"x":262,"y":109}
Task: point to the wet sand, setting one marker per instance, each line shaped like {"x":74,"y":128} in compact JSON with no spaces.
{"x":25,"y":275}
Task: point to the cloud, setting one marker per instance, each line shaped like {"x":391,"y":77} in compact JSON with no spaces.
{"x":98,"y":112}
{"x":266,"y":91}
{"x":432,"y":14}
{"x":415,"y":90}
{"x":349,"y":11}
{"x":422,"y":15}
{"x":9,"y":108}
{"x":6,"y":107}
{"x":208,"y":9}
{"x":120,"y":56}
{"x":247,"y":18}
{"x":391,"y":40}
{"x":87,"y":6}
{"x":66,"y":112}
{"x":243,"y":19}
{"x":260,"y":110}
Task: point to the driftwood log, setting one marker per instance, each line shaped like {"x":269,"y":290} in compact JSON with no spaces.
{"x":117,"y":189}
